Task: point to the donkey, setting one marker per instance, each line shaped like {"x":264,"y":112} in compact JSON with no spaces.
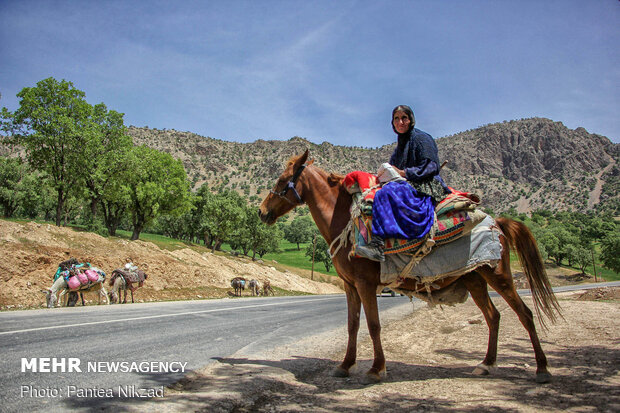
{"x":253,"y":284}
{"x":238,"y":283}
{"x":329,"y":203}
{"x":122,"y":280}
{"x":267,"y":289}
{"x":52,"y":296}
{"x":114,"y":294}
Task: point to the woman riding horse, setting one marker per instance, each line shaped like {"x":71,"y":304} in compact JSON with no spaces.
{"x":329,"y":205}
{"x":403,"y":209}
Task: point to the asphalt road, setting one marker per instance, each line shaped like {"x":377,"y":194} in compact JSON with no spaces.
{"x":150,"y":345}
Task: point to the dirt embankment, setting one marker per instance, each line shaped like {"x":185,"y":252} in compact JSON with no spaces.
{"x":30,"y":254}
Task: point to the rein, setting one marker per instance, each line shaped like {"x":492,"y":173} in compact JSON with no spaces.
{"x":290,"y":186}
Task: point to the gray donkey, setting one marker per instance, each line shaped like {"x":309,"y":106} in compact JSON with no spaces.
{"x":53,"y":298}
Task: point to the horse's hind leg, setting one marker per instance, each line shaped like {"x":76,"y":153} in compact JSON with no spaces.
{"x":500,"y":280}
{"x":353,"y":325}
{"x":477,"y":287}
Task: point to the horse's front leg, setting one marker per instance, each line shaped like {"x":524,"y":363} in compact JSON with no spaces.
{"x":368,"y":294}
{"x":353,"y":324}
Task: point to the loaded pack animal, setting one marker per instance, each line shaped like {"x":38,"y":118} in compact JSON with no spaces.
{"x":253,"y":284}
{"x":238,"y":283}
{"x":60,"y":287}
{"x":123,"y":280}
{"x":329,"y":204}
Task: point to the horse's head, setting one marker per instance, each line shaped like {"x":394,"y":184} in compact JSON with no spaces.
{"x":50,"y":299}
{"x":286,"y":194}
{"x":113,"y":297}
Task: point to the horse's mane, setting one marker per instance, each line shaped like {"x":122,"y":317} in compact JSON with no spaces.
{"x":333,"y":179}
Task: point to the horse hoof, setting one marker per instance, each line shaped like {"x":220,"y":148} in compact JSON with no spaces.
{"x":340,"y":372}
{"x":482,"y":370}
{"x":374,"y":378}
{"x":544,"y":377}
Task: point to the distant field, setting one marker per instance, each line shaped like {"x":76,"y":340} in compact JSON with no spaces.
{"x":289,"y":256}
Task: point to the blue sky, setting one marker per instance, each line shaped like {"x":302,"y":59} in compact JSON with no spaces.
{"x":323,"y":70}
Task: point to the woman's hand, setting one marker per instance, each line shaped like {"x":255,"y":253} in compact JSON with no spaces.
{"x":400,"y":171}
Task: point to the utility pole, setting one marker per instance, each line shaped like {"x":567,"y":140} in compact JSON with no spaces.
{"x":313,"y":251}
{"x":594,"y":265}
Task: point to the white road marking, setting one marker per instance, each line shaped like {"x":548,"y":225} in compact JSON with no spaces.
{"x":158,"y":316}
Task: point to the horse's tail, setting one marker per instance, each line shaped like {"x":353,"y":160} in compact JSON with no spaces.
{"x":522,"y":241}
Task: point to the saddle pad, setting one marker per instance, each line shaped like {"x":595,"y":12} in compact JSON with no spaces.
{"x":480,"y":247}
{"x":130,"y":276}
{"x":450,"y":227}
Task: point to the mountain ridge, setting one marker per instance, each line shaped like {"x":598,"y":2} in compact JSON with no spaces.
{"x":525,"y":164}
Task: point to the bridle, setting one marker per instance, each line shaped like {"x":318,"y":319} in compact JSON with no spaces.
{"x":290,"y":185}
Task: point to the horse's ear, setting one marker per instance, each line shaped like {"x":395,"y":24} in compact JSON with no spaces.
{"x":44,"y":291}
{"x":302,"y":160}
{"x":310,"y":162}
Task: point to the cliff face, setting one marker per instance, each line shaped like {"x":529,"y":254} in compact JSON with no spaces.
{"x":534,"y":163}
{"x":530,"y":151}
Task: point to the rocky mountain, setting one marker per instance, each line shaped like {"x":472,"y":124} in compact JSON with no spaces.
{"x":525,"y":164}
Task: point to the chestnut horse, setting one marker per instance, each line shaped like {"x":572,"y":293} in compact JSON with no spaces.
{"x":329,"y":202}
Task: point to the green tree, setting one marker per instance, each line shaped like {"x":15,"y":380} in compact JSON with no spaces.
{"x":50,"y":123}
{"x":300,"y":230}
{"x":563,"y":238}
{"x":549,"y":242}
{"x":37,"y":197}
{"x":157,"y":185}
{"x":610,"y":251}
{"x":597,"y":227}
{"x":172,"y":226}
{"x":247,"y":236}
{"x":12,"y":174}
{"x":265,"y":239}
{"x":223,"y":214}
{"x":321,"y":252}
{"x":582,"y":257}
{"x":115,"y":201}
{"x":105,"y":154}
{"x":200,"y":224}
